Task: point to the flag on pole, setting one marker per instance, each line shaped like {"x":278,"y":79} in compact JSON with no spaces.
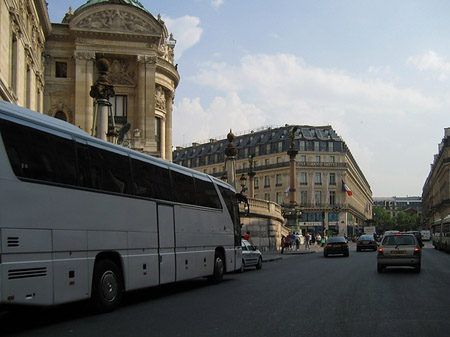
{"x":347,"y":189}
{"x":287,"y":191}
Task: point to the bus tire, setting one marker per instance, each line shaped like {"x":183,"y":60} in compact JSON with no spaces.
{"x":107,"y":287}
{"x":219,"y":268}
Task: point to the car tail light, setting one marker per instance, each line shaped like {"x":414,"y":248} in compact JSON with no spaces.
{"x":380,"y":252}
{"x":358,"y":242}
{"x":416,"y":251}
{"x":328,"y":246}
{"x":345,"y":244}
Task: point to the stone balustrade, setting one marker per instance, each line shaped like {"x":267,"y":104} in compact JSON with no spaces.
{"x":265,"y":224}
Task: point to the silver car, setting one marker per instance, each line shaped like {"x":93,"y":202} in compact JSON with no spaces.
{"x":400,"y":249}
{"x":251,"y":256}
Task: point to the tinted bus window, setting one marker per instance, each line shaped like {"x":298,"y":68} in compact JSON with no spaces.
{"x":151,"y":181}
{"x":206,"y":194}
{"x":183,"y":187}
{"x":37,"y":155}
{"x":84,"y":166}
{"x":110,"y":171}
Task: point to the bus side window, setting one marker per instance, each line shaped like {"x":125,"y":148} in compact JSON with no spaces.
{"x":206,"y":194}
{"x":39,"y":155}
{"x":110,"y":171}
{"x":183,"y":187}
{"x":151,"y":181}
{"x":84,"y":170}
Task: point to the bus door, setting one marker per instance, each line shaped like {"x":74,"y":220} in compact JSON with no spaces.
{"x":166,"y":244}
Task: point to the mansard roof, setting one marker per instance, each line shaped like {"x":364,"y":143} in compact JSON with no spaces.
{"x":267,"y":136}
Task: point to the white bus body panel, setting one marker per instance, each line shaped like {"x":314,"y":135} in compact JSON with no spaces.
{"x":166,"y":244}
{"x":27,"y":282}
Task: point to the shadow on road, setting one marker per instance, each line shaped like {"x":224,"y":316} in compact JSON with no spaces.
{"x":22,"y":319}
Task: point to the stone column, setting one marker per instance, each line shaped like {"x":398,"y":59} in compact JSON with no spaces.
{"x":169,"y":110}
{"x":146,"y":101}
{"x":163,"y":138}
{"x":84,"y":78}
{"x":140,"y":118}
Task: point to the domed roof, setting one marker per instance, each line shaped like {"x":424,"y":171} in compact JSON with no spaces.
{"x":134,"y":3}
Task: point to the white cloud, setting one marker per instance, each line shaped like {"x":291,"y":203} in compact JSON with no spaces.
{"x":216,"y":3}
{"x":186,"y":30}
{"x":284,"y":82}
{"x":432,"y":62}
{"x":371,"y":115}
{"x":198,"y":123}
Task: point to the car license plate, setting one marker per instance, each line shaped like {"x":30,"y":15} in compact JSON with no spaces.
{"x":365,"y":242}
{"x":398,"y":252}
{"x":337,"y":245}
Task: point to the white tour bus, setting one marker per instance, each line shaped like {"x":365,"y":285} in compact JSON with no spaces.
{"x":440,"y":234}
{"x":82,"y":218}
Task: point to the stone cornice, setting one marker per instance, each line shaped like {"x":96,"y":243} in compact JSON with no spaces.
{"x":166,"y":68}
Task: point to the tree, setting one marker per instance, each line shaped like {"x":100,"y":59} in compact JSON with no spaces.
{"x":382,"y":219}
{"x":402,"y":221}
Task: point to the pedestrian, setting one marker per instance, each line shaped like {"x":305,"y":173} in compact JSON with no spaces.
{"x":247,"y":236}
{"x":318,"y":239}
{"x":307,"y":238}
{"x":282,"y":244}
{"x":297,"y":241}
{"x":287,"y":242}
{"x":292,"y":240}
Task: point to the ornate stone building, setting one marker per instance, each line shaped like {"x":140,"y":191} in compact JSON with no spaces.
{"x":51,"y":68}
{"x":436,"y":190}
{"x":324,"y":168}
{"x":24,"y":27}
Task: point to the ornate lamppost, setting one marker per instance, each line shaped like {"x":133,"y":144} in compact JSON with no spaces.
{"x":230,"y":153}
{"x":243,"y":181}
{"x":101,"y":91}
{"x":251,"y":175}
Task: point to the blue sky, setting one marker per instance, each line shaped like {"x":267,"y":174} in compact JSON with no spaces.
{"x":378,"y":71}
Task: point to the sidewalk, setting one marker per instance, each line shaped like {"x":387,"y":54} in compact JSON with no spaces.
{"x":274,"y":255}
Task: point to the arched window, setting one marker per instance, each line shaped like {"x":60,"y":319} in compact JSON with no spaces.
{"x":61,"y":115}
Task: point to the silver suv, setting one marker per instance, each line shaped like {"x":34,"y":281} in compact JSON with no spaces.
{"x":399,"y":249}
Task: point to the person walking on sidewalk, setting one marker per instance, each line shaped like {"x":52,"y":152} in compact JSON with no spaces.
{"x":318,"y":239}
{"x":307,"y":238}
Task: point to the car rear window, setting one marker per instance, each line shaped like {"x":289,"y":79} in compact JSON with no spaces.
{"x":394,"y":240}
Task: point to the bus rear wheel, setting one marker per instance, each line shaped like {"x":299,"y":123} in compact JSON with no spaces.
{"x":107,"y":287}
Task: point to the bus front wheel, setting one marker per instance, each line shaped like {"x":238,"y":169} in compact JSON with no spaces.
{"x":107,"y":288}
{"x":219,"y":268}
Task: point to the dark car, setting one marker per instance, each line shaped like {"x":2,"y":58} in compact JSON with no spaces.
{"x":401,"y":249}
{"x":336,"y":245}
{"x":366,"y":242}
{"x":251,"y":256}
{"x":418,"y":236}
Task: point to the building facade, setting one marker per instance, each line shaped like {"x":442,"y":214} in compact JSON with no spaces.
{"x":135,"y":44}
{"x":331,"y":192}
{"x":24,"y":27}
{"x":436,"y":190}
{"x":394,"y":205}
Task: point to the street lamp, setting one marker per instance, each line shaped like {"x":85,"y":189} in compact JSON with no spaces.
{"x":243,"y":181}
{"x":251,"y":175}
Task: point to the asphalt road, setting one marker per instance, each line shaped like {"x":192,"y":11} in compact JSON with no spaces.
{"x":299,"y":295}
